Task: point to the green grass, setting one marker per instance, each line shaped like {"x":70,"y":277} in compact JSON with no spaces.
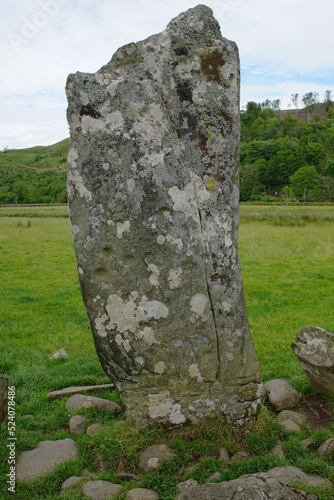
{"x":38,"y":157}
{"x":287,"y":258}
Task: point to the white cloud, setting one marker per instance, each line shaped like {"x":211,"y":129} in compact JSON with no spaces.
{"x":285,"y":47}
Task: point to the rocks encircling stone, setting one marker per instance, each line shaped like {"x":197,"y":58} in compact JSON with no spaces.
{"x":314,"y":348}
{"x":190,"y":483}
{"x":77,"y":424}
{"x":79,"y":401}
{"x":154,"y":456}
{"x":291,"y":415}
{"x":153,"y":194}
{"x":289,"y":475}
{"x":278,"y":450}
{"x":43,"y":459}
{"x":100,"y":490}
{"x":69,"y":391}
{"x":71,"y":482}
{"x":3,"y":399}
{"x":327,"y":447}
{"x":281,"y":393}
{"x":93,"y":429}
{"x":142,"y":494}
{"x":61,"y":353}
{"x":251,"y":487}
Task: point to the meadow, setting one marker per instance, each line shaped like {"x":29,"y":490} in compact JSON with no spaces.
{"x":287,"y":260}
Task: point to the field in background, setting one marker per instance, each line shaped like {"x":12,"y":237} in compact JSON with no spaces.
{"x":287,"y":259}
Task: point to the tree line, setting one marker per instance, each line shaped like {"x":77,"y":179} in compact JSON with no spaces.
{"x":281,"y":156}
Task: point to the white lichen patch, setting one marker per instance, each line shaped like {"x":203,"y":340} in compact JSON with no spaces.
{"x":156,"y":310}
{"x":147,"y":335}
{"x":123,"y":342}
{"x":161,"y":239}
{"x":175,"y":416}
{"x":123,"y":227}
{"x":139,"y":360}
{"x":75,"y":230}
{"x":159,"y":368}
{"x":90,"y":244}
{"x":174,"y":278}
{"x":153,"y":279}
{"x":229,"y":356}
{"x":74,"y":179}
{"x":99,"y":325}
{"x":195,"y":372}
{"x":198,"y":304}
{"x":162,"y":405}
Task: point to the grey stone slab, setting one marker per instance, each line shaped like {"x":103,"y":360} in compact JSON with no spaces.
{"x":69,"y":391}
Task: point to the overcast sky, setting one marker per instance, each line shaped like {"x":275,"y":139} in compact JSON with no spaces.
{"x":286,"y":46}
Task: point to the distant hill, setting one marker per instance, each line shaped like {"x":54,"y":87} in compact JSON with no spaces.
{"x":52,"y":157}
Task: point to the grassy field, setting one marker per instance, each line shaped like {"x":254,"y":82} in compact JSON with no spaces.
{"x":287,"y":258}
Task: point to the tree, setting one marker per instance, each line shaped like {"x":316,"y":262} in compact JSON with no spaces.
{"x":294,"y":99}
{"x":310,"y":99}
{"x":287,"y":194}
{"x":328,"y":100}
{"x":304,"y":182}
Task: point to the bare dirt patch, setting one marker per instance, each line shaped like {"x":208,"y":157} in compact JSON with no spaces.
{"x":317,"y":411}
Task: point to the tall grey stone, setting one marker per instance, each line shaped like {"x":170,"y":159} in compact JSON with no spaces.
{"x":153,"y":195}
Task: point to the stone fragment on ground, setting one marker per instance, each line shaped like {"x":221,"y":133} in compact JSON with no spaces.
{"x":101,"y":490}
{"x":307,"y":443}
{"x":43,"y":459}
{"x":3,"y":399}
{"x":71,"y":482}
{"x":185,"y":485}
{"x":290,"y":426}
{"x":69,"y":391}
{"x":291,"y":415}
{"x":290,"y":475}
{"x":61,"y":353}
{"x":224,"y":455}
{"x":241,"y":455}
{"x":77,"y":424}
{"x":314,"y":348}
{"x":250,"y":487}
{"x":214,"y":478}
{"x":281,"y":393}
{"x":142,"y":494}
{"x":93,"y":429}
{"x":278,"y":450}
{"x":79,"y":401}
{"x":154,"y":456}
{"x":327,"y":447}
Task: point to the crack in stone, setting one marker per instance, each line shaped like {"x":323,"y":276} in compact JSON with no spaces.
{"x":206,"y":279}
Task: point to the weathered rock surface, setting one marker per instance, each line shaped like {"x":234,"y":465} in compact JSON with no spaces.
{"x":250,"y":487}
{"x":77,"y":424}
{"x":93,"y":429}
{"x":153,"y":194}
{"x":314,"y":348}
{"x":43,"y":459}
{"x":79,"y":401}
{"x":290,"y":426}
{"x":291,"y":415}
{"x":142,"y":494}
{"x":281,"y":393}
{"x":327,"y":447}
{"x":71,"y":482}
{"x":3,"y":399}
{"x":69,"y":391}
{"x":289,"y":475}
{"x":101,"y":490}
{"x":154,"y":456}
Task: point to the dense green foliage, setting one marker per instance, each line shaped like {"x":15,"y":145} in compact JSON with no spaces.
{"x":283,"y":151}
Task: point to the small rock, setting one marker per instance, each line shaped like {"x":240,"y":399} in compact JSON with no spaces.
{"x":71,"y":482}
{"x":69,"y":391}
{"x":290,"y":426}
{"x":77,"y":424}
{"x":61,"y":353}
{"x":185,"y":485}
{"x":281,"y":393}
{"x":278,"y":450}
{"x":327,"y":447}
{"x":224,"y":455}
{"x":241,"y":455}
{"x":79,"y":401}
{"x":100,"y":490}
{"x":216,"y":477}
{"x":43,"y":459}
{"x":289,"y":475}
{"x":291,"y":415}
{"x":314,"y":348}
{"x":93,"y":429}
{"x":154,"y":456}
{"x":307,"y":443}
{"x":142,"y":494}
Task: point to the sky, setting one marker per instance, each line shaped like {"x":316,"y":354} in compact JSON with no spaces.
{"x":286,"y":47}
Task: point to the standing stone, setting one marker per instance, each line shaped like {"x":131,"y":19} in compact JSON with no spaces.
{"x":153,"y":194}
